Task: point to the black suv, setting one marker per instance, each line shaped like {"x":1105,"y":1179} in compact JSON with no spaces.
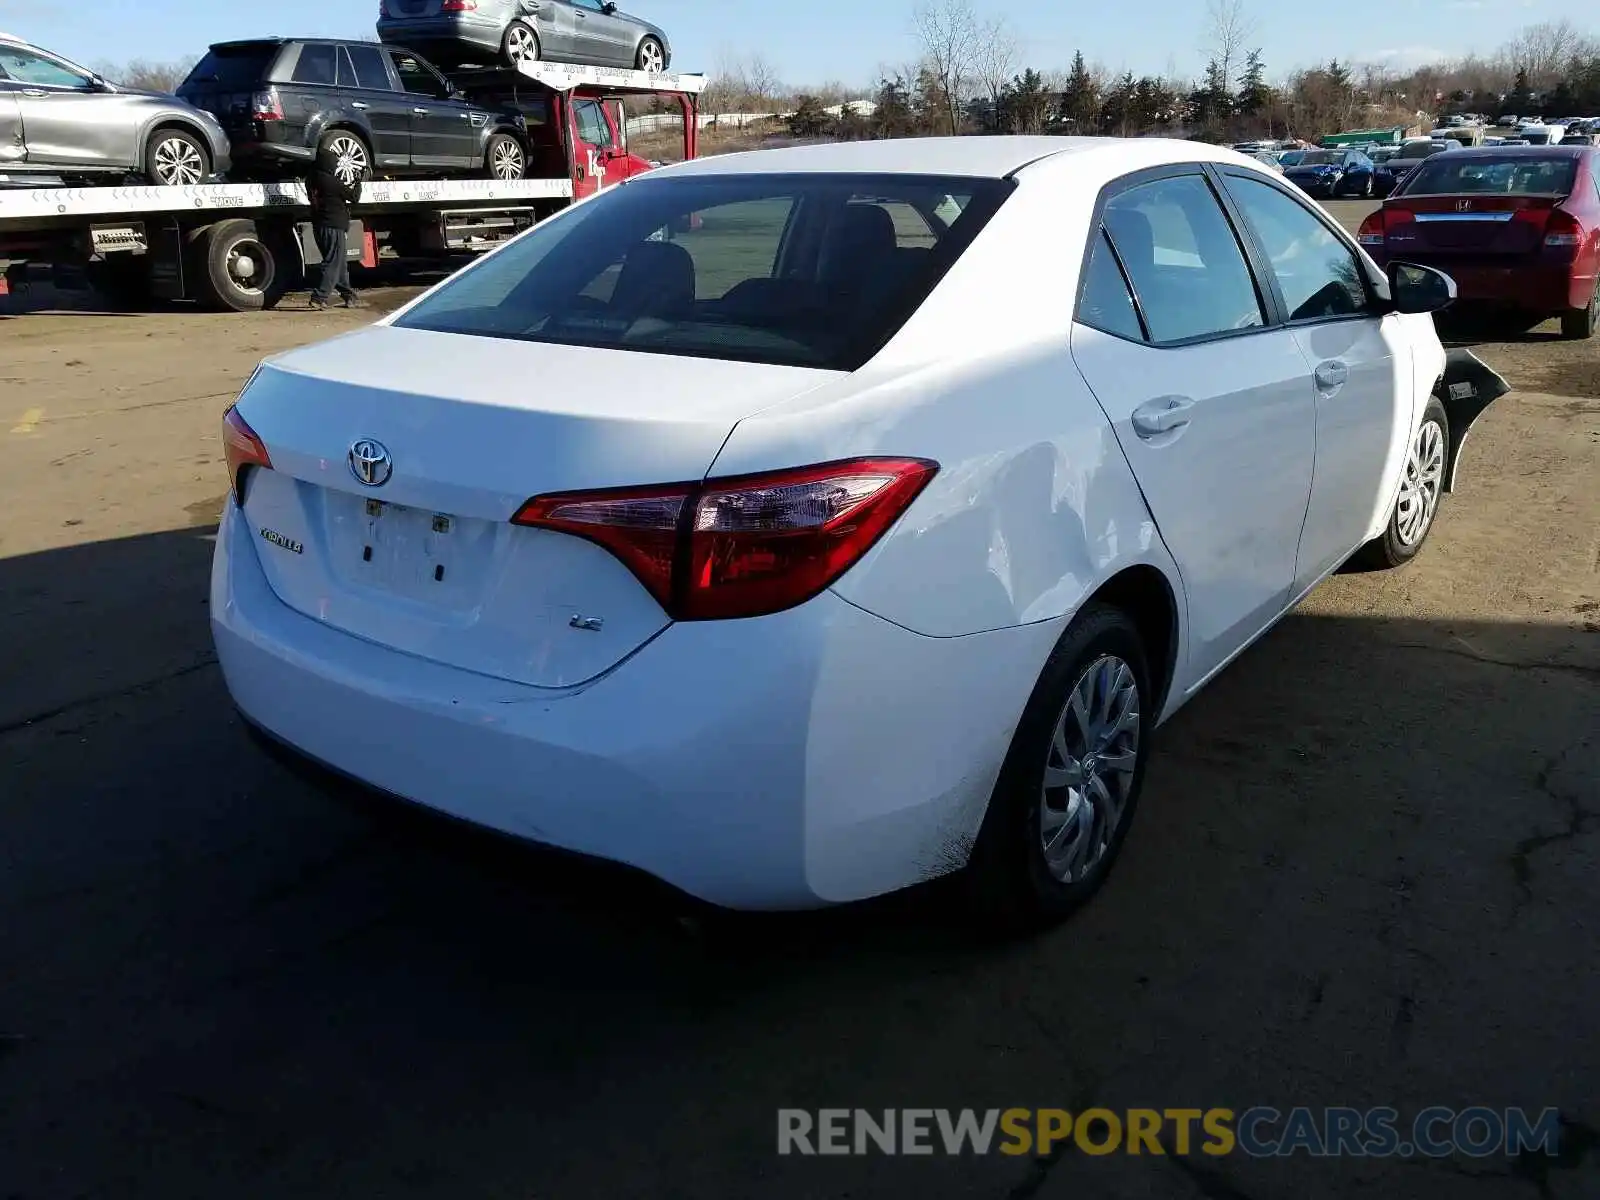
{"x":381,"y":110}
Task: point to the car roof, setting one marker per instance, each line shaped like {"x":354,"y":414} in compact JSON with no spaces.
{"x":991,"y":157}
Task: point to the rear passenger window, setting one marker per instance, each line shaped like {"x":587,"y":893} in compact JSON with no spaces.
{"x":370,"y":72}
{"x":1183,"y":259}
{"x":318,"y":65}
{"x":1317,"y":273}
{"x":1105,"y":304}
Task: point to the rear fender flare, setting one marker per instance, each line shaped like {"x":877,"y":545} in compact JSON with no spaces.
{"x":1466,"y":389}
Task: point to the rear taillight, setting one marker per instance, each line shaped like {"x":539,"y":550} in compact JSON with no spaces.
{"x":267,"y":105}
{"x":1379,"y":225}
{"x":742,"y":546}
{"x":243,"y":450}
{"x":459,"y":6}
{"x":1562,"y":231}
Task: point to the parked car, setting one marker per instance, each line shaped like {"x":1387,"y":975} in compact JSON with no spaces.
{"x":57,"y":118}
{"x":1388,"y":174}
{"x":1268,"y":160}
{"x":1289,"y":158}
{"x":380,"y":110}
{"x":512,"y":31}
{"x":939,"y":569}
{"x":1519,"y":229}
{"x":1332,"y":173}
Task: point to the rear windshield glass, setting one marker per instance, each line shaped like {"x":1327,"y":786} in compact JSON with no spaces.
{"x":801,"y":270}
{"x":233,"y":66}
{"x":1519,"y":175}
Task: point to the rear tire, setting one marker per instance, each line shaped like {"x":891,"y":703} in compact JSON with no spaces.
{"x":1047,"y":844}
{"x":235,"y":268}
{"x":1578,"y":324}
{"x":504,"y":158}
{"x":520,"y":44}
{"x":1422,"y":485}
{"x":176,"y":158}
{"x":352,"y":152}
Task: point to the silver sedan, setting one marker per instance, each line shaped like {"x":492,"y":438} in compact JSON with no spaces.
{"x":57,"y":118}
{"x":594,"y":32}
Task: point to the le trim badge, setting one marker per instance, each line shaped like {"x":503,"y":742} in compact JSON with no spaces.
{"x":283,"y":543}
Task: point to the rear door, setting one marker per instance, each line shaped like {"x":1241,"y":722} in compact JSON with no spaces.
{"x":1360,"y":362}
{"x":443,"y":134}
{"x":312,"y":89}
{"x":372,"y":90}
{"x":1210,"y":401}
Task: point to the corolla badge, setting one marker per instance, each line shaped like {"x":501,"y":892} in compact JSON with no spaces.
{"x":370,"y":462}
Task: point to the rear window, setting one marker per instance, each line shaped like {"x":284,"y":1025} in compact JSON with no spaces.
{"x":238,"y":67}
{"x":797,"y":270}
{"x":1513,"y":175}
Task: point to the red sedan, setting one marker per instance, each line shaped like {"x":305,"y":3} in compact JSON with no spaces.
{"x":1517,"y":228}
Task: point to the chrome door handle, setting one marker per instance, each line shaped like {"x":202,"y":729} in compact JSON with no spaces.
{"x":419,"y":112}
{"x":1331,"y":376}
{"x":1164,"y":415}
{"x":359,"y":104}
{"x":34,"y":92}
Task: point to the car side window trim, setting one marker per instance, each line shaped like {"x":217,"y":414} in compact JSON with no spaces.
{"x":1098,"y":236}
{"x":1261,"y":263}
{"x":1271,"y":307}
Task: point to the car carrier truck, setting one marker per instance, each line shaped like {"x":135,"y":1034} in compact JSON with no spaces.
{"x":242,"y":246}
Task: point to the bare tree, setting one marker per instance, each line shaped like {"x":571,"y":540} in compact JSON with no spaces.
{"x":148,"y":76}
{"x":995,"y":57}
{"x":1229,"y":29}
{"x":949,"y":33}
{"x":1545,"y":50}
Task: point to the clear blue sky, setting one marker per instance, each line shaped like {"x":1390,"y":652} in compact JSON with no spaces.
{"x":813,"y":41}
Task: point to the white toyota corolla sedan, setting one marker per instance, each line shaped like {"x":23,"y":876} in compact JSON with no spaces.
{"x":802,"y":525}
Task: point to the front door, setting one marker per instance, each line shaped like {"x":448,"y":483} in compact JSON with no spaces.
{"x":1360,"y":361}
{"x":1210,"y":403}
{"x":372,"y":89}
{"x":12,"y":148}
{"x":442,"y":131}
{"x":65,"y":117}
{"x":593,"y":149}
{"x":609,"y":38}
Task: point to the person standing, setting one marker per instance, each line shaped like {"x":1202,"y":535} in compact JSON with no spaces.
{"x":331,"y":198}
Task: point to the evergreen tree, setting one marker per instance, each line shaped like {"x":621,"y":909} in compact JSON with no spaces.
{"x":1080,"y":102}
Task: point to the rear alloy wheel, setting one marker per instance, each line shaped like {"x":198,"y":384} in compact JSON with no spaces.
{"x":504,"y":159}
{"x":1421,"y":489}
{"x":1067,"y":792}
{"x":651,"y":58}
{"x":1578,"y":324}
{"x":520,"y":44}
{"x":175,"y":158}
{"x":352,"y":159}
{"x":1366,"y":189}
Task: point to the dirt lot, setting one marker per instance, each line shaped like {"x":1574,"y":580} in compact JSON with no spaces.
{"x":1364,"y":873}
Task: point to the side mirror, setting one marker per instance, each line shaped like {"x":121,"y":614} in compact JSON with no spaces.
{"x":608,"y":8}
{"x":1419,"y":289}
{"x":97,"y":83}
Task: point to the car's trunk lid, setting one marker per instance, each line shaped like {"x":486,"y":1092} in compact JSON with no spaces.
{"x":1475,"y":222}
{"x":427,"y":561}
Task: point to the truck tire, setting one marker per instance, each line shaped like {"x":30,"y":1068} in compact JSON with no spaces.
{"x":176,"y":158}
{"x":520,"y":44}
{"x":504,"y":158}
{"x":235,"y":268}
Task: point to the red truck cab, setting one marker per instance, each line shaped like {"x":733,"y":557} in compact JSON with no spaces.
{"x":577,"y":117}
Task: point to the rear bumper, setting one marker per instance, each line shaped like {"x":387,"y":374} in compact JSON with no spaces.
{"x":1536,"y":287}
{"x":817,"y":756}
